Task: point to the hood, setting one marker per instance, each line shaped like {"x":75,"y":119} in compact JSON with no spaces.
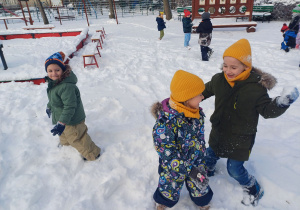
{"x":160,"y":109}
{"x":266,"y":80}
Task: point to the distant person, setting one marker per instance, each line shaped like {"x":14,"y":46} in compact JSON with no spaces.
{"x":66,"y":108}
{"x":298,"y":39}
{"x":187,"y":28}
{"x":289,"y":40}
{"x":205,"y":35}
{"x":161,"y":25}
{"x":178,"y":136}
{"x":241,"y":95}
{"x":294,"y":23}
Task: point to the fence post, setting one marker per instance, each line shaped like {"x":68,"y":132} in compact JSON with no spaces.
{"x":2,"y":57}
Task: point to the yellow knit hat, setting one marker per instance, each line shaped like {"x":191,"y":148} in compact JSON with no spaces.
{"x":240,"y":50}
{"x":185,"y":86}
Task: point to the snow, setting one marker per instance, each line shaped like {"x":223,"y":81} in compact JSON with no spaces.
{"x":134,"y":71}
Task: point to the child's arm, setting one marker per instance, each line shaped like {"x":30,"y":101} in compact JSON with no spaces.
{"x":165,"y":138}
{"x":269,"y":108}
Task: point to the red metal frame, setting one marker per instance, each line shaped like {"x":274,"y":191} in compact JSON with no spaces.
{"x":209,"y":6}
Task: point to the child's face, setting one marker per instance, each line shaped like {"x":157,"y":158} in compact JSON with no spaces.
{"x":54,"y":71}
{"x":232,"y":67}
{"x":194,"y":102}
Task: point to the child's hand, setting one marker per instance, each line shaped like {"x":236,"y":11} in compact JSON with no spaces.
{"x":48,"y":111}
{"x":58,"y":129}
{"x":288,"y":96}
{"x":199,"y":177}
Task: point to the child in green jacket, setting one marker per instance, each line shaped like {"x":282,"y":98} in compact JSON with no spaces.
{"x":66,"y":107}
{"x":240,"y":97}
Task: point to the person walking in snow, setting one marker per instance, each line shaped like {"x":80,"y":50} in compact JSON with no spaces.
{"x":161,"y":24}
{"x":187,"y":28}
{"x":178,"y":136}
{"x":205,"y":35}
{"x":66,"y":108}
{"x":240,"y":97}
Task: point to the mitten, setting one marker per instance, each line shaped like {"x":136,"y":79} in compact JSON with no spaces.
{"x":48,"y":111}
{"x":58,"y":129}
{"x":288,"y":96}
{"x":199,"y":177}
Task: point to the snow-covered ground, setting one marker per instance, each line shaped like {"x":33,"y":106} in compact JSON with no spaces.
{"x":135,"y":71}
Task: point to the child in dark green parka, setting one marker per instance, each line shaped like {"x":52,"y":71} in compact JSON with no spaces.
{"x":66,"y":107}
{"x":241,"y":95}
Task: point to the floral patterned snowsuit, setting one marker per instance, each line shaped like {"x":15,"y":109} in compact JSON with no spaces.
{"x":180,"y":144}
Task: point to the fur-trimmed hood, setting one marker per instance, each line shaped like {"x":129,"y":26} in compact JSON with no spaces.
{"x":266,"y":80}
{"x":155,"y":109}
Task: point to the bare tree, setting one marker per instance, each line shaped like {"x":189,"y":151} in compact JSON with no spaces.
{"x":42,"y":11}
{"x":111,"y":9}
{"x":167,"y":9}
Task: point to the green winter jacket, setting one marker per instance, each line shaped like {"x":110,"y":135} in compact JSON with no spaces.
{"x":235,"y":119}
{"x":64,"y":101}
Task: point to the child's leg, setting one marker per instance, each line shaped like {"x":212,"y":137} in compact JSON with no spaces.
{"x":168,"y":190}
{"x":200,"y":198}
{"x":186,"y":39}
{"x":63,"y":140}
{"x":210,"y":161}
{"x":237,"y":171}
{"x":204,"y":51}
{"x":78,"y":137}
{"x":189,"y":38}
{"x":162,"y":33}
{"x":252,"y":190}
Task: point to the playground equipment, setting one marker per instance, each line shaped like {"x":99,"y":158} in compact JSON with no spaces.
{"x":223,"y":8}
{"x":30,"y":19}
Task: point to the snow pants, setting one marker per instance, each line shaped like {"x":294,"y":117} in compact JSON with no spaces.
{"x":77,"y":137}
{"x":168,"y":190}
{"x":235,"y":168}
{"x":162,"y":33}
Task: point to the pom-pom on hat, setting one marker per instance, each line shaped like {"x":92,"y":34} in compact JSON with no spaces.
{"x":205,"y":15}
{"x":240,"y":50}
{"x":161,"y":13}
{"x":57,"y":58}
{"x":185,"y":86}
{"x":186,"y":12}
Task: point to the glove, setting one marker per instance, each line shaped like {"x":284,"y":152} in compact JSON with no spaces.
{"x":288,"y":96}
{"x":48,"y":111}
{"x":58,"y":129}
{"x":199,"y":177}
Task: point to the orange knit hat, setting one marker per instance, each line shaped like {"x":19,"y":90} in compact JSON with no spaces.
{"x":240,"y":50}
{"x":185,"y":86}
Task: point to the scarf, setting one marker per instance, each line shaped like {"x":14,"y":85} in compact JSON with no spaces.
{"x":241,"y":77}
{"x":188,"y":112}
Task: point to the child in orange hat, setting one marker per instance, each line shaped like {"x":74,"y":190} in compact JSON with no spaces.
{"x":178,"y":136}
{"x":187,"y":28}
{"x":241,"y":94}
{"x":161,"y":25}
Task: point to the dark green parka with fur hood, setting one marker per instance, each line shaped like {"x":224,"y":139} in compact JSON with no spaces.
{"x":237,"y":109}
{"x":64,"y":99}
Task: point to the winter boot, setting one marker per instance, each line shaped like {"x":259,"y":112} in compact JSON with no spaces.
{"x":252,"y":194}
{"x":95,"y":158}
{"x":160,"y":207}
{"x":204,"y":207}
{"x":209,"y":53}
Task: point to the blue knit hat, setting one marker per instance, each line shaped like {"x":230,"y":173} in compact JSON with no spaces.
{"x":57,"y":58}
